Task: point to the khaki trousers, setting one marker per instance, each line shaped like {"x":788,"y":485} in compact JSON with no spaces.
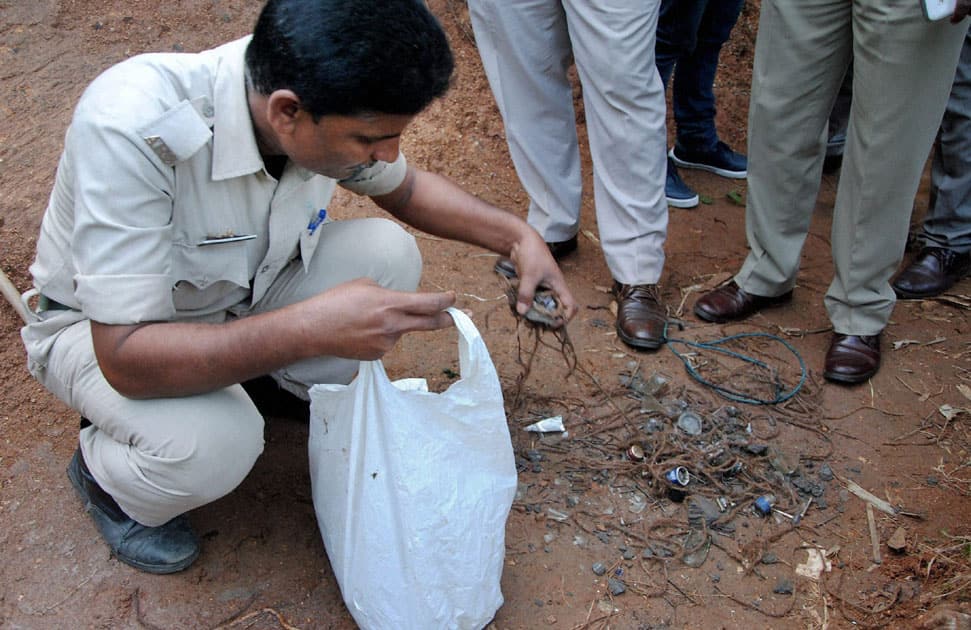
{"x":526,"y":48}
{"x":903,"y":67}
{"x":162,"y":457}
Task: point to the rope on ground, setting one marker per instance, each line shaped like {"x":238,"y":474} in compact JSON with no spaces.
{"x":781,"y":394}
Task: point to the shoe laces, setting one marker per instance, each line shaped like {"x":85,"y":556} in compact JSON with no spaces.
{"x":638,"y":292}
{"x":943,"y":254}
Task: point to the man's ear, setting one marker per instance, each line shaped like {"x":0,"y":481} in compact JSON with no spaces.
{"x":282,"y":111}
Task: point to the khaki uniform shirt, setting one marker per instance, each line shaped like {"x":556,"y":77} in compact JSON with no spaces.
{"x":162,"y":208}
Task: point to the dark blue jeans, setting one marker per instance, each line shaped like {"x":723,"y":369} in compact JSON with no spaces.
{"x":690,"y":35}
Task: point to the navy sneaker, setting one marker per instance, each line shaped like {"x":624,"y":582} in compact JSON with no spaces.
{"x":678,"y":193}
{"x":721,"y":160}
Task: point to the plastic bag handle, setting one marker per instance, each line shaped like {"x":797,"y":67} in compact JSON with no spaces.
{"x":473,"y":354}
{"x":472,"y":350}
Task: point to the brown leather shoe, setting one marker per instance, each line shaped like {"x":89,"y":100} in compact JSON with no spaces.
{"x":933,"y":271}
{"x":730,"y":302}
{"x":641,"y":318}
{"x":852,"y":358}
{"x":506,"y":267}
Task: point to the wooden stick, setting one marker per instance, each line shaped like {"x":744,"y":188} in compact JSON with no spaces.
{"x":874,"y":538}
{"x":12,"y":296}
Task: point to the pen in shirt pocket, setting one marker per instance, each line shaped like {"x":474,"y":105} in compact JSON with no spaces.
{"x":232,"y":238}
{"x":316,"y":221}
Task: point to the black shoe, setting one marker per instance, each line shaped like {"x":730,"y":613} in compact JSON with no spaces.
{"x":506,"y":267}
{"x":932,"y":272}
{"x":167,"y":548}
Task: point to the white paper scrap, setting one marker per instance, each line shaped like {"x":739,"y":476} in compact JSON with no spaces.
{"x":547,"y":425}
{"x":815,"y":564}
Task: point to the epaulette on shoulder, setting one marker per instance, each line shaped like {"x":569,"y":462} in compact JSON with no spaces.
{"x":176,"y":135}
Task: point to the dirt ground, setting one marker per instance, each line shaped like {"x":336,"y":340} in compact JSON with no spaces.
{"x":586,"y":500}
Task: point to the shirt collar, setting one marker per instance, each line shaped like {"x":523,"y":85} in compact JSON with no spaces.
{"x":235,"y":150}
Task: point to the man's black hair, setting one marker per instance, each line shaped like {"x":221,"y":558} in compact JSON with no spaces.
{"x":351,"y":57}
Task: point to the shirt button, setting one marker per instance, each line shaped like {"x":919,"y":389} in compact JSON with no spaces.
{"x":265,"y":269}
{"x":208,"y":111}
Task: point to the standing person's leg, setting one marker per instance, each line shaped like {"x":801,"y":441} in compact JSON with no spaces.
{"x":800,"y":58}
{"x":525,"y":50}
{"x":892,"y":46}
{"x":839,"y":117}
{"x":946,"y":230}
{"x":801,"y":54}
{"x":693,"y":96}
{"x":677,"y":35}
{"x":625,"y":112}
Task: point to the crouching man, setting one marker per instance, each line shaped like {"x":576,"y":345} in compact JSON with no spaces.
{"x":186,"y":249}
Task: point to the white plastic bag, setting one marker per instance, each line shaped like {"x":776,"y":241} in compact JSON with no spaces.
{"x":412,"y":490}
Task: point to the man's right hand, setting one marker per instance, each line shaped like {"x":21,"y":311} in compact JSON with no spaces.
{"x":362,"y":320}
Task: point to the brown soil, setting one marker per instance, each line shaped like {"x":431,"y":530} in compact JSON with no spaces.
{"x":263,"y":563}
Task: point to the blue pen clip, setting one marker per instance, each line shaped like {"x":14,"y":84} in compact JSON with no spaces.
{"x":316,"y":221}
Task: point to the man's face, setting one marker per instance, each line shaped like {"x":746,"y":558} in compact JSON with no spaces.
{"x":339,"y":146}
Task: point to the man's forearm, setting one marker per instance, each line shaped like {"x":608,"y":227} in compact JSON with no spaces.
{"x":166,"y":359}
{"x":354,"y":320}
{"x":438,"y":206}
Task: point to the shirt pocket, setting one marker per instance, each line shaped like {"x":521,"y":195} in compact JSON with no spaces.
{"x":205,"y":277}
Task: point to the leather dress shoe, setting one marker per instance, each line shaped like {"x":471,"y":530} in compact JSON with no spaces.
{"x":164,"y":549}
{"x":852,"y":358}
{"x":506,"y":267}
{"x":933,"y":271}
{"x":730,"y":301}
{"x":641,"y":318}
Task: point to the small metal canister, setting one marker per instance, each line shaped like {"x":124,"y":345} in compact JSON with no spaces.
{"x":764,"y":504}
{"x":678,"y":479}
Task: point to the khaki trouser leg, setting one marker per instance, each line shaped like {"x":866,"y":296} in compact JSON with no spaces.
{"x":526,"y":47}
{"x":903,"y":67}
{"x":801,"y":55}
{"x":526,"y":52}
{"x":903,"y":71}
{"x":162,"y":457}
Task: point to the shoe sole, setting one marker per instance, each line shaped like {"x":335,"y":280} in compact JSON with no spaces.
{"x":72,"y":475}
{"x":683,"y":203}
{"x":907,"y":295}
{"x":705,"y":167}
{"x":639,"y":344}
{"x":844,"y":379}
